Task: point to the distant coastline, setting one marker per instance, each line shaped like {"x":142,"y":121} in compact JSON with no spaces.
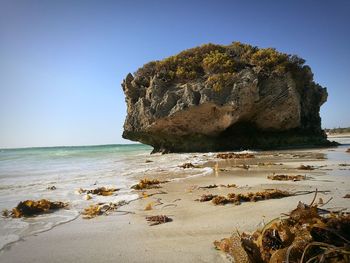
{"x":72,"y":146}
{"x":338,"y":132}
{"x":338,"y":135}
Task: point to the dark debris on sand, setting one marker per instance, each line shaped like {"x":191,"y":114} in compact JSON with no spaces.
{"x":157,"y":220}
{"x":306,"y":167}
{"x":234,"y":155}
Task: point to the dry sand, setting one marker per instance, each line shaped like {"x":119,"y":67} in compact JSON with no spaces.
{"x":123,"y":237}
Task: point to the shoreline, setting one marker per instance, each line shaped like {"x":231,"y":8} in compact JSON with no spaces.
{"x":338,"y":135}
{"x":189,"y":237}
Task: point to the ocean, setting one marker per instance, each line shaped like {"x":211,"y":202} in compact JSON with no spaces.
{"x":28,"y":173}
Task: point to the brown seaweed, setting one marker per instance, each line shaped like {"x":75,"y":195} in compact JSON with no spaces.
{"x":234,"y":155}
{"x":348,"y":150}
{"x":308,"y":234}
{"x":233,"y":198}
{"x":100,"y":191}
{"x":306,"y":167}
{"x":157,"y":220}
{"x":206,"y":197}
{"x":220,"y":200}
{"x":208,"y":186}
{"x":243,"y":166}
{"x":188,"y":165}
{"x":148,"y":184}
{"x":232,"y":247}
{"x":229,"y":185}
{"x":268,"y":164}
{"x":346,"y":196}
{"x":101,"y":209}
{"x":30,"y":208}
{"x":285,"y":177}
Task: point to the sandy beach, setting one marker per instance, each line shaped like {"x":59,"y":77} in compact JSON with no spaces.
{"x":125,"y":236}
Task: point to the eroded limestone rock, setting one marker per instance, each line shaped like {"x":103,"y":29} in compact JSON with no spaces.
{"x":262,"y":99}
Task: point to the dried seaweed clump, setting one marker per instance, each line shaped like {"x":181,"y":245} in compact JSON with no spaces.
{"x":233,"y":248}
{"x":237,"y":199}
{"x":216,"y":186}
{"x":188,"y":165}
{"x":206,"y":197}
{"x":29,"y":208}
{"x":99,"y":191}
{"x":157,"y":220}
{"x":346,"y":196}
{"x":234,"y":155}
{"x":148,"y":184}
{"x":306,"y":167}
{"x":308,"y":234}
{"x":268,"y":164}
{"x":348,"y":150}
{"x":285,"y":177}
{"x":101,"y":209}
{"x":208,"y":186}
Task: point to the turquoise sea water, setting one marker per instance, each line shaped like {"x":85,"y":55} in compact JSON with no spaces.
{"x":17,"y":164}
{"x":27,"y":174}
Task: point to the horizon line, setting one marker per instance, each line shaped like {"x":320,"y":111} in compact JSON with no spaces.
{"x":70,"y":146}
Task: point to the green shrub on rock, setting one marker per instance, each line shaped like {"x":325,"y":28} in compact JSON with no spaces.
{"x":217,"y":64}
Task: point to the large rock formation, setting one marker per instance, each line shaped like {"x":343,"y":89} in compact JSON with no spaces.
{"x":215,"y":97}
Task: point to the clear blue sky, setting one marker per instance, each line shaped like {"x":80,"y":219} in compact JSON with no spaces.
{"x":62,"y":62}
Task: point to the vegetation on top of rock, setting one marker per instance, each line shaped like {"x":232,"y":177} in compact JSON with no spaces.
{"x":219,"y":64}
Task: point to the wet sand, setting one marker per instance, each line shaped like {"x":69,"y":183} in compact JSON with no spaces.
{"x":122,"y":237}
